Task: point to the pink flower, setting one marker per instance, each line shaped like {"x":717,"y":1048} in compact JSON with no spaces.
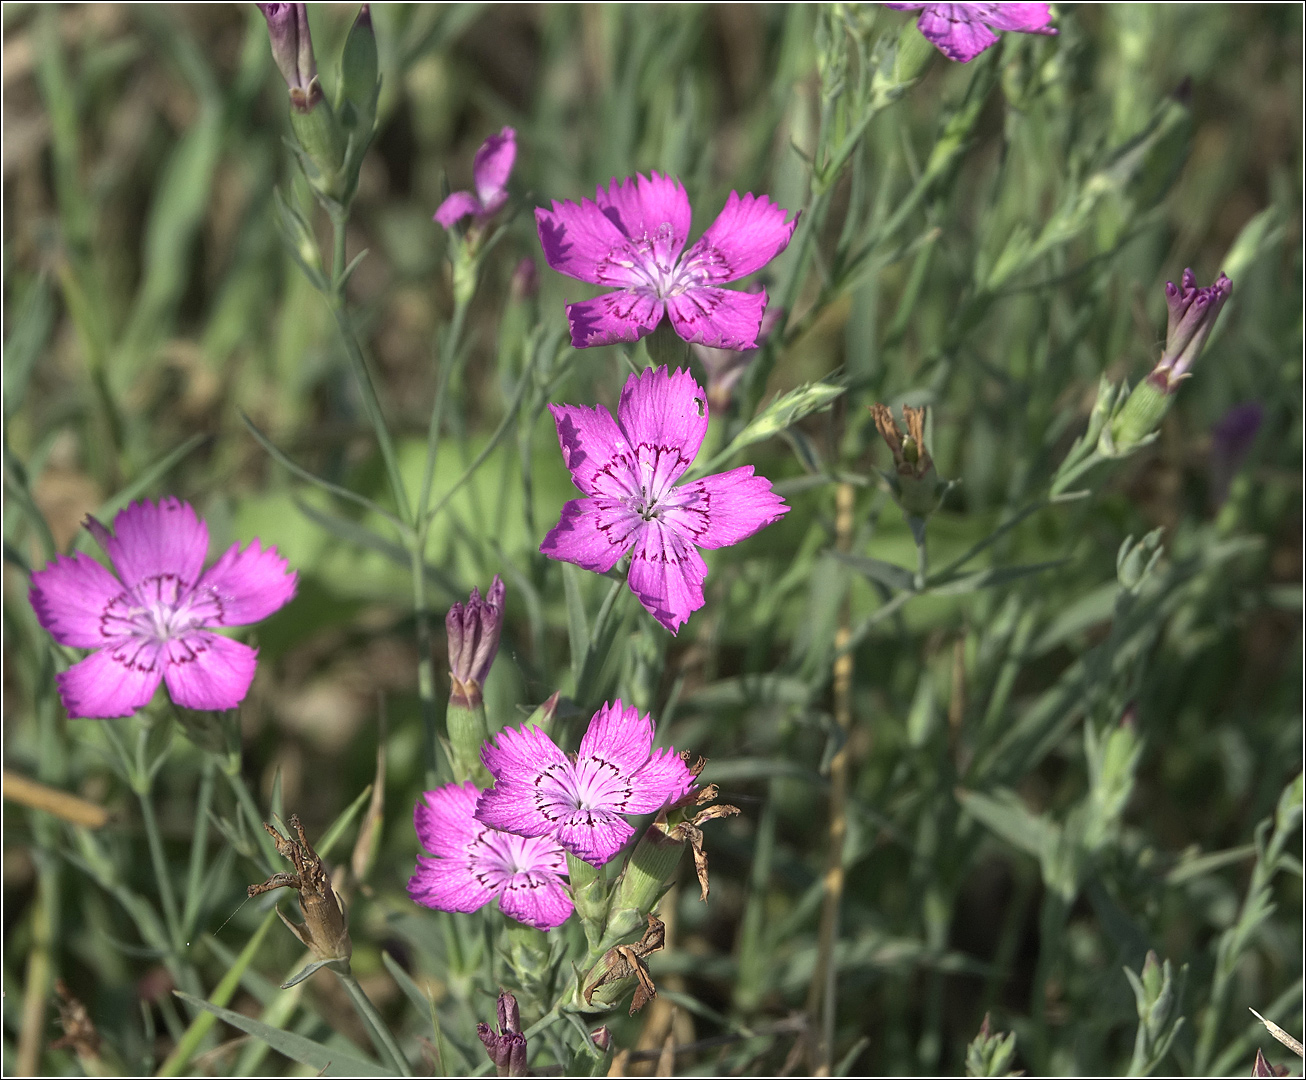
{"x":631,"y":237}
{"x":490,"y":171}
{"x":474,"y":863}
{"x":627,"y":468}
{"x":577,"y":802}
{"x":963,"y":31}
{"x":152,"y":625}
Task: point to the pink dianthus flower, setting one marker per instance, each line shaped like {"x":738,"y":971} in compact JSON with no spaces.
{"x":151,"y":623}
{"x":632,"y":237}
{"x":490,"y":172}
{"x":627,"y":469}
{"x":474,"y":863}
{"x":962,"y":31}
{"x":578,"y":801}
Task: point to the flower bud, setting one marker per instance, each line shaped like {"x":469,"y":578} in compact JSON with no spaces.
{"x":1192,"y":315}
{"x":725,"y":367}
{"x":292,"y":49}
{"x":525,"y":280}
{"x":506,"y":1047}
{"x":474,"y":630}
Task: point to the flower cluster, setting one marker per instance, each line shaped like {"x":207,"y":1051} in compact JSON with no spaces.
{"x":510,"y":842}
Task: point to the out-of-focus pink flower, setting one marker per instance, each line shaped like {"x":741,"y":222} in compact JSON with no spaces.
{"x":150,"y":624}
{"x":490,"y":172}
{"x":627,"y":469}
{"x":725,"y":367}
{"x":632,"y":238}
{"x":962,"y":31}
{"x":1231,"y":441}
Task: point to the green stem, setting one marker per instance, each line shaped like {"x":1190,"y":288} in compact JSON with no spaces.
{"x":381,"y":1036}
{"x":246,"y":801}
{"x":425,"y":661}
{"x":371,"y":402}
{"x":451,"y":363}
{"x":161,"y":870}
{"x":198,"y":848}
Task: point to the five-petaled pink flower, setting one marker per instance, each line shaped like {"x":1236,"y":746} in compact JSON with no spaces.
{"x":631,"y":237}
{"x":578,"y":800}
{"x":152,"y":625}
{"x":627,"y":468}
{"x":490,"y":172}
{"x":474,"y":863}
{"x":963,"y":31}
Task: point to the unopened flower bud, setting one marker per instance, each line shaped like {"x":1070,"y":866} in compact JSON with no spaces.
{"x":507,"y":1046}
{"x":525,"y":280}
{"x":292,"y":49}
{"x":474,"y":629}
{"x":1192,"y":315}
{"x":725,"y":367}
{"x":602,"y":1037}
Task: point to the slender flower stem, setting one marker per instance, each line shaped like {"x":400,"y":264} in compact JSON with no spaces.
{"x":451,"y":363}
{"x":381,"y":1035}
{"x":425,"y":662}
{"x":166,"y":894}
{"x":821,"y":998}
{"x":371,"y":402}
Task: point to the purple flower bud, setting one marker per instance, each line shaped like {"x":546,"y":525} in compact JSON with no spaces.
{"x":725,"y":367}
{"x":1231,"y":441}
{"x":525,"y":280}
{"x":507,"y":1046}
{"x":473,"y":630}
{"x":292,"y":49}
{"x":1192,"y":316}
{"x":602,"y":1037}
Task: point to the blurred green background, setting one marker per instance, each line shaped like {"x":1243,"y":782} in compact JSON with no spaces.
{"x":148,"y":300}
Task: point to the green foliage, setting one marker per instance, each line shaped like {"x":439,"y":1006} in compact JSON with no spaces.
{"x":1039,"y":752}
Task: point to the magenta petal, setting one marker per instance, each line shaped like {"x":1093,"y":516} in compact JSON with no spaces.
{"x":207,"y":671}
{"x":70,"y":596}
{"x":592,"y":533}
{"x":747,"y":234}
{"x":591,"y":446}
{"x":447,"y":885}
{"x":578,"y":240}
{"x":651,"y":209}
{"x":511,"y":806}
{"x":721,"y":510}
{"x":246,"y":585}
{"x":445,"y":819}
{"x":959,"y":37}
{"x":665,"y":777}
{"x":666,"y":574}
{"x":525,"y":751}
{"x":664,"y":412}
{"x":1027,"y":18}
{"x":718,"y":318}
{"x":118,"y":680}
{"x":457,"y":206}
{"x":593,"y":835}
{"x":613,"y":317}
{"x":493,"y":164}
{"x":156,"y":540}
{"x":536,"y":899}
{"x":619,"y":736}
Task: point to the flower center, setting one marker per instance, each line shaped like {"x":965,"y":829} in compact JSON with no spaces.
{"x":160,"y":608}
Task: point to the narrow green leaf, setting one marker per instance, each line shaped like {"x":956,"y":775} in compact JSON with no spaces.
{"x":326,"y":1061}
{"x":199,"y":1027}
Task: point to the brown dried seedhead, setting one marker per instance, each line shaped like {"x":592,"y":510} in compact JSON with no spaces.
{"x":683,"y":821}
{"x":325,"y":929}
{"x":626,"y":961}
